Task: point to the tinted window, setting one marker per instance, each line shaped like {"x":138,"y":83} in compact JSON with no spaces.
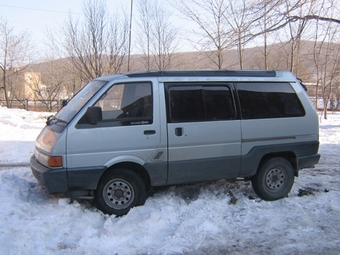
{"x":200,"y":103}
{"x":268,"y":100}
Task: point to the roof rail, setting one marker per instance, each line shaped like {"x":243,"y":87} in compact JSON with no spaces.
{"x":241,"y":73}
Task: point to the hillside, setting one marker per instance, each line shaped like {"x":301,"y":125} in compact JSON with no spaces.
{"x":278,"y":58}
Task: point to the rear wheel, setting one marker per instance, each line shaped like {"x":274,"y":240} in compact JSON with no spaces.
{"x":274,"y":179}
{"x":119,"y":190}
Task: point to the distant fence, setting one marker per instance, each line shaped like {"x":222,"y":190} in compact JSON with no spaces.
{"x":35,"y":105}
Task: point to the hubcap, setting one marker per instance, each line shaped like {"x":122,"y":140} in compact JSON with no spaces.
{"x":275,"y":179}
{"x":118,"y":194}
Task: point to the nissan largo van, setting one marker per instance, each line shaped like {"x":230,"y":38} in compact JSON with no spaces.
{"x":123,"y":134}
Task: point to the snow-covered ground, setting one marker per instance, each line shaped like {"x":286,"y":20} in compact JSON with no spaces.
{"x":212,"y":218}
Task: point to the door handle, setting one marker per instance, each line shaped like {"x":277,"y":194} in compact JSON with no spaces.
{"x":179,"y":131}
{"x":149,"y":132}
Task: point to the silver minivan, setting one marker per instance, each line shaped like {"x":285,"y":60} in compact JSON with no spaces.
{"x":123,"y":134}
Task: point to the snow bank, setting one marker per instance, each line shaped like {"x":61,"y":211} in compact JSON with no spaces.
{"x":211,"y":218}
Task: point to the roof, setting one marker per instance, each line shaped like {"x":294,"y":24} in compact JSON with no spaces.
{"x":196,"y":74}
{"x":205,"y":73}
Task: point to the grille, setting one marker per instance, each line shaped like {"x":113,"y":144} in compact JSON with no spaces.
{"x":37,"y":175}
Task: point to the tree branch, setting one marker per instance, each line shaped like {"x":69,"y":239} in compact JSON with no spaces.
{"x":314,"y":17}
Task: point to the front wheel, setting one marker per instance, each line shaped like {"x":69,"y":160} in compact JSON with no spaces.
{"x":118,"y":191}
{"x":274,"y":179}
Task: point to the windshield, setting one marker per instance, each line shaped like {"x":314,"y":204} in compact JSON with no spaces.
{"x":79,"y":100}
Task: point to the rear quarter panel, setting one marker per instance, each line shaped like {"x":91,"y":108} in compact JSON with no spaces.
{"x":277,"y":135}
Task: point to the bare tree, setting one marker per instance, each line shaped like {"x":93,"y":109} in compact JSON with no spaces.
{"x":295,"y":33}
{"x":261,"y":19}
{"x":265,"y":34}
{"x":228,"y":24}
{"x":73,"y":78}
{"x":271,"y":18}
{"x":14,"y":56}
{"x":99,"y":45}
{"x":327,"y":61}
{"x":56,"y":81}
{"x":157,"y":36}
{"x":164,"y":37}
{"x":213,"y":31}
{"x":144,"y":36}
{"x":239,"y":19}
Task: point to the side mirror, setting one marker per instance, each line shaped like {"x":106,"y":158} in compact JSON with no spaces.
{"x":64,"y":103}
{"x":94,"y":114}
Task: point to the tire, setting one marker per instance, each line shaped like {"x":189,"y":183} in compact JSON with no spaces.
{"x":274,"y":179}
{"x":118,"y":191}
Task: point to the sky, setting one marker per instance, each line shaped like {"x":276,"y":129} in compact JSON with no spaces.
{"x":209,"y":218}
{"x":35,"y":16}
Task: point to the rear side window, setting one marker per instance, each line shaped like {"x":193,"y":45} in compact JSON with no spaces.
{"x":200,"y":103}
{"x":268,"y":100}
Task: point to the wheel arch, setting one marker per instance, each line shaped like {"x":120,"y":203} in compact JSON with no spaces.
{"x":288,"y":155}
{"x":135,"y":167}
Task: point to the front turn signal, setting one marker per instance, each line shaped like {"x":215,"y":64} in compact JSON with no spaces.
{"x":55,"y":161}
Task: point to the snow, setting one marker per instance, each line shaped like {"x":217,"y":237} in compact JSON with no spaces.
{"x":212,"y":218}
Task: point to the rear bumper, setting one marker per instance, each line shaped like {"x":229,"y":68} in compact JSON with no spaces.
{"x":53,"y":180}
{"x":308,"y":161}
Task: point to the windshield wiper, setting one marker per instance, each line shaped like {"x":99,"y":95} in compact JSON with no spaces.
{"x":52,"y":120}
{"x":49,"y":119}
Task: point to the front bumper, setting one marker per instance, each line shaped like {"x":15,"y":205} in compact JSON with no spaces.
{"x":53,"y":180}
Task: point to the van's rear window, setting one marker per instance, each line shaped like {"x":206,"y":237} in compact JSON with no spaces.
{"x":268,"y":100}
